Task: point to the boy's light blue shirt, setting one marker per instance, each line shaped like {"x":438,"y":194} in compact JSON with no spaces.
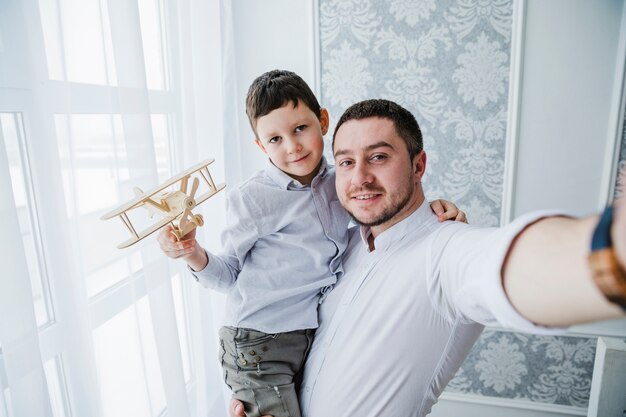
{"x":281,"y":250}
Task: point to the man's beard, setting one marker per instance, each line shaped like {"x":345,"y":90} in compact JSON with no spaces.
{"x":390,"y":212}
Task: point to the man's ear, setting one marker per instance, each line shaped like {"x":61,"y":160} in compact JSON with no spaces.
{"x":324,"y":120}
{"x":419,"y":165}
{"x":260,"y":145}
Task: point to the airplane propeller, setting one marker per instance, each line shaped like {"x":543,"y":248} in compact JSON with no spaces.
{"x":187,"y":216}
{"x":194,"y":187}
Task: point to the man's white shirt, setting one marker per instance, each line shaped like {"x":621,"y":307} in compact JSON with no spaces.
{"x":400,"y":322}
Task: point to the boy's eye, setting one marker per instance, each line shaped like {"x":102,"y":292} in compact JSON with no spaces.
{"x":300,"y":128}
{"x":274,"y":139}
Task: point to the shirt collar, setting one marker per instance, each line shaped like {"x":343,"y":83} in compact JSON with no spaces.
{"x":284,"y":181}
{"x":414,"y":221}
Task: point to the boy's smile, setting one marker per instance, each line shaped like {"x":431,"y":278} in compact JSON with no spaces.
{"x":292,"y":137}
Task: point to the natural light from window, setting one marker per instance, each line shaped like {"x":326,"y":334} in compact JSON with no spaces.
{"x":57,"y":388}
{"x":13,"y":136}
{"x":98,"y":113}
{"x":125,"y":351}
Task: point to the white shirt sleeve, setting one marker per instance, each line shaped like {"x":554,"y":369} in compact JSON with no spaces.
{"x":467,"y":273}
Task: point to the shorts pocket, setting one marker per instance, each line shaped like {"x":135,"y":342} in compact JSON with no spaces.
{"x":246,"y":338}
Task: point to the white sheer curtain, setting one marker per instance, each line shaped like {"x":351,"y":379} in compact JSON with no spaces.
{"x":98,"y":96}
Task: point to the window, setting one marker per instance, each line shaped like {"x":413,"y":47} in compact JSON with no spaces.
{"x":13,"y":135}
{"x":182,"y":321}
{"x":128,"y":370}
{"x":57,"y":389}
{"x":78,"y":41}
{"x":108,"y":126}
{"x":151,"y":16}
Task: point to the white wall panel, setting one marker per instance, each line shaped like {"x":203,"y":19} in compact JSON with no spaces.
{"x":568,"y":107}
{"x":570,"y":56}
{"x":274,"y":34}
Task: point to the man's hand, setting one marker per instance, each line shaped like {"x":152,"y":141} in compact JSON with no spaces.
{"x":236,"y":409}
{"x":445,"y":210}
{"x":188,"y":248}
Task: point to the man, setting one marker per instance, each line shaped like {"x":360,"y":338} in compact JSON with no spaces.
{"x":416,"y":293}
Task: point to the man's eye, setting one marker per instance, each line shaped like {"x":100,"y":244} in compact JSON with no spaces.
{"x":378,"y":157}
{"x":345,"y":163}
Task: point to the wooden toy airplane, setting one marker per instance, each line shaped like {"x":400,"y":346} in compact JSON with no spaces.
{"x":174,"y":205}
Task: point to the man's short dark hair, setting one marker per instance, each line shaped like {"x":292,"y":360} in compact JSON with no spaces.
{"x":406,"y":125}
{"x":272,"y":90}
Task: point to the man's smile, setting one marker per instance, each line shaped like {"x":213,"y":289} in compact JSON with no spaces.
{"x":366,"y":196}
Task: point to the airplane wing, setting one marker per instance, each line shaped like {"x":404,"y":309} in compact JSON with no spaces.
{"x":139,"y":200}
{"x":147,"y":232}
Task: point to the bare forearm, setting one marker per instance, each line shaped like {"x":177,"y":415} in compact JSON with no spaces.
{"x":197,"y":260}
{"x":547,"y":276}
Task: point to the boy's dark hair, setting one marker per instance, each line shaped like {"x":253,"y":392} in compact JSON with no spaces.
{"x":406,"y":125}
{"x":273,"y":90}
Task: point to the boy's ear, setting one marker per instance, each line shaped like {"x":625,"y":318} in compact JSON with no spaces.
{"x":324,"y":120}
{"x":260,"y":145}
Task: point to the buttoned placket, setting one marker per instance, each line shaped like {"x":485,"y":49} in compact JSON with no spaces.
{"x":372,"y":260}
{"x":391,"y":238}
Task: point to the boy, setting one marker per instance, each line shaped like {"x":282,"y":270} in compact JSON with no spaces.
{"x":282,"y":248}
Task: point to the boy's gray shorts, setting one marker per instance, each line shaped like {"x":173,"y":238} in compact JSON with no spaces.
{"x":263,"y":370}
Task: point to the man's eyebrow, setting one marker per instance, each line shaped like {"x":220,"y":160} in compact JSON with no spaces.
{"x":340,"y":152}
{"x":380,"y":144}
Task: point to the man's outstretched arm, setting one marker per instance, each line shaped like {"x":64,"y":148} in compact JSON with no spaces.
{"x":547,"y":275}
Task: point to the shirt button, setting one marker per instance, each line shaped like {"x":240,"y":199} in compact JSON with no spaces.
{"x":308,"y":389}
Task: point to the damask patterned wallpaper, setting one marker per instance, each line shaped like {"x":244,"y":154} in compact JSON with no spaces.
{"x":448,"y":62}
